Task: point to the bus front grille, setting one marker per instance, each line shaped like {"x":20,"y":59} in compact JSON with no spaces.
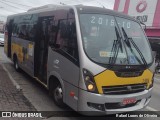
{"x":123,"y":89}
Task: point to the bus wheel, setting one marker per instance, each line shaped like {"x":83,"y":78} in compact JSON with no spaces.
{"x":57,"y":94}
{"x":16,"y":66}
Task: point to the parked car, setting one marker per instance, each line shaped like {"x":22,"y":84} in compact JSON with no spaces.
{"x":1,"y":39}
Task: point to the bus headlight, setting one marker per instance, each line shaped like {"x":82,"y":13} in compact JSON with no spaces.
{"x":89,"y":81}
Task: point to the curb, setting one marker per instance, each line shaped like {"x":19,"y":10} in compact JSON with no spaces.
{"x":13,"y":81}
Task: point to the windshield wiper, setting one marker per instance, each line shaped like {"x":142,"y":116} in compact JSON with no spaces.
{"x":130,"y":40}
{"x":115,"y":48}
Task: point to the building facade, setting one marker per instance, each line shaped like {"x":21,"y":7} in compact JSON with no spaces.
{"x":1,"y":26}
{"x":146,"y":11}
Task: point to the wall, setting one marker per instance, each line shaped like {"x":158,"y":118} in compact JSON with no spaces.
{"x":147,"y":11}
{"x":1,"y":26}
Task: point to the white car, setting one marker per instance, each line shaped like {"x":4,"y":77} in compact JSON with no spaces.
{"x":1,"y":39}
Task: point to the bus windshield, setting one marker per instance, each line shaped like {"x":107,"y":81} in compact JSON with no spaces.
{"x":114,"y":40}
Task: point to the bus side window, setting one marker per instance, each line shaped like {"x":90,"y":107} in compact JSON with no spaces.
{"x":23,"y":32}
{"x":32,"y":32}
{"x":67,"y":38}
{"x":15,"y":29}
{"x":52,"y":34}
{"x":25,"y":27}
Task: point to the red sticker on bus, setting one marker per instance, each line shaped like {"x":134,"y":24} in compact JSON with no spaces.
{"x":129,"y":101}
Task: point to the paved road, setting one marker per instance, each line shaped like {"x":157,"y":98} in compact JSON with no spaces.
{"x":38,"y":95}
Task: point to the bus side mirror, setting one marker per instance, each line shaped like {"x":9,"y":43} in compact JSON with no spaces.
{"x":154,"y":54}
{"x":143,"y":25}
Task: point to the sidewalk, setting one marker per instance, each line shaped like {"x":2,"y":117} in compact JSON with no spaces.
{"x":12,"y":99}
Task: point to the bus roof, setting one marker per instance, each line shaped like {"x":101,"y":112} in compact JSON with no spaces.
{"x":80,"y":9}
{"x":91,"y":9}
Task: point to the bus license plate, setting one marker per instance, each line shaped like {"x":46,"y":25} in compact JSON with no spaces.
{"x":129,"y":101}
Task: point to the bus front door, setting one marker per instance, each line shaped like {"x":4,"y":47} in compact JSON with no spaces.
{"x":41,"y":49}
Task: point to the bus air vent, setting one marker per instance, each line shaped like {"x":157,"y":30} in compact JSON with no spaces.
{"x":129,"y":74}
{"x":124,"y":89}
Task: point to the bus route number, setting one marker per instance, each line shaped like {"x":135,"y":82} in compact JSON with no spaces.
{"x":111,"y":22}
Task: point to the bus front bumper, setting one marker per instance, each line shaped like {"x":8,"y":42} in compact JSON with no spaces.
{"x":100,"y":104}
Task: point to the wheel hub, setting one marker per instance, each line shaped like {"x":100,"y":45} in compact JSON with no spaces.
{"x":58,"y":93}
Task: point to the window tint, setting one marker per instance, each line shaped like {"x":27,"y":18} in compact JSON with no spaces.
{"x":51,"y":28}
{"x":66,"y":37}
{"x":24,"y":27}
{"x":134,"y":32}
{"x":101,"y":39}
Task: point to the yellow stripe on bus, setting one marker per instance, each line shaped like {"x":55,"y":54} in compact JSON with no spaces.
{"x":17,"y":49}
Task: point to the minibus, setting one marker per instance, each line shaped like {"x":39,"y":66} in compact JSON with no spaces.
{"x":89,"y":58}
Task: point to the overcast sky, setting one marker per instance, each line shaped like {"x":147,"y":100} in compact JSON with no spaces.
{"x":8,"y":7}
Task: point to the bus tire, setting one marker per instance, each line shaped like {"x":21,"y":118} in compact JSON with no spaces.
{"x":16,"y":66}
{"x":56,"y":92}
